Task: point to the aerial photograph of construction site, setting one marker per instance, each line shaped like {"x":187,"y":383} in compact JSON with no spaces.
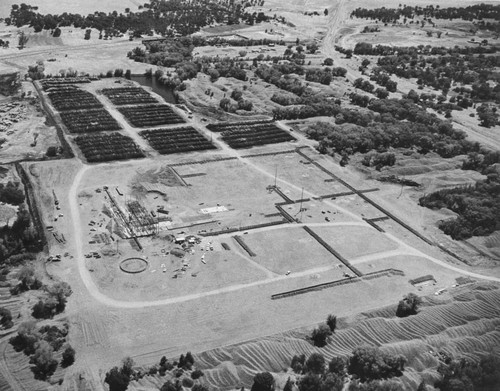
{"x":262,"y":195}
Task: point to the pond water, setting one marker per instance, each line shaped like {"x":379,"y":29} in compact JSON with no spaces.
{"x":165,"y":92}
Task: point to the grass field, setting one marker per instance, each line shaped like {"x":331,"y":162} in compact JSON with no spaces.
{"x":353,"y":241}
{"x":294,"y":168}
{"x":291,"y":249}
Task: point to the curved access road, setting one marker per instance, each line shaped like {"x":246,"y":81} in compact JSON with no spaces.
{"x":89,"y":283}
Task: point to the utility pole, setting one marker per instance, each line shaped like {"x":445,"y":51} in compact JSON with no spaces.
{"x":275,"y":175}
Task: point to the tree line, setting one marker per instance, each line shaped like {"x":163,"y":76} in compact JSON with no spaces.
{"x":476,"y":12}
{"x":165,"y":17}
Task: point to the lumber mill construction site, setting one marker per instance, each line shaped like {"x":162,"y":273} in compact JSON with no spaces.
{"x":224,"y":184}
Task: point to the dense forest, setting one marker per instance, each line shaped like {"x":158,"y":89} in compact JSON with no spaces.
{"x":165,"y":17}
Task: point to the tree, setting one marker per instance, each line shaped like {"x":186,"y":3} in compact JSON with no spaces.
{"x":320,"y":335}
{"x":43,"y":359}
{"x":337,"y":365}
{"x":263,"y":381}
{"x":370,"y":363}
{"x":199,"y":387}
{"x":331,"y":321}
{"x":117,"y":380}
{"x":328,"y":61}
{"x":422,"y":386}
{"x":6,"y":318}
{"x":288,"y":385}
{"x":409,"y":305}
{"x":127,"y":365}
{"x":488,"y":116}
{"x":28,"y":279}
{"x":297,"y":363}
{"x":381,"y":93}
{"x":315,"y":363}
{"x":196,"y":374}
{"x":169,"y":386}
{"x":26,"y":338}
{"x":23,"y":40}
{"x":51,"y":151}
{"x":310,"y":382}
{"x":332,"y":382}
{"x":326,"y":11}
{"x":68,"y":356}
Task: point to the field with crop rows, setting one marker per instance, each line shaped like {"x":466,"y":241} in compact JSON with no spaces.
{"x":64,"y":99}
{"x":60,"y":81}
{"x":108,"y":146}
{"x":128,"y":96}
{"x":93,"y":120}
{"x":173,"y":140}
{"x":250,"y":134}
{"x":150,"y":115}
